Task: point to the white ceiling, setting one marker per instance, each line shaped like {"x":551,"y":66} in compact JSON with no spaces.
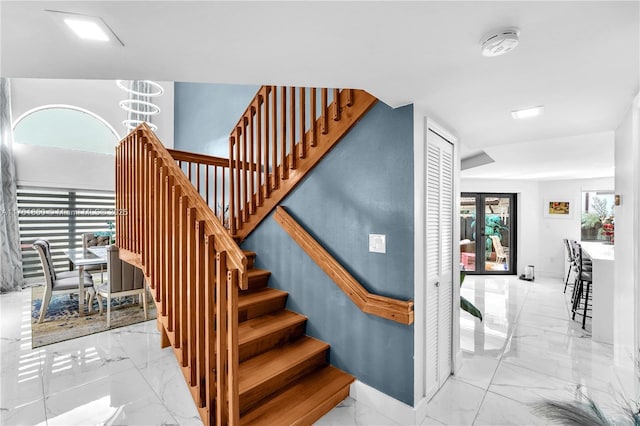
{"x":579,"y":59}
{"x":571,"y":157}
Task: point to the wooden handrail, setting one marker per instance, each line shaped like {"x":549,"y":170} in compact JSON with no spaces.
{"x":193,"y":157}
{"x":192,"y":265}
{"x":381,"y":306}
{"x":210,"y":177}
{"x":279,"y":138}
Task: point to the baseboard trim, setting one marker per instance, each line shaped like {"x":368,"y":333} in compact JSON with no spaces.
{"x":390,"y":407}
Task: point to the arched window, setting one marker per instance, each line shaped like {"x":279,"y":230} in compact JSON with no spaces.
{"x":67,"y":127}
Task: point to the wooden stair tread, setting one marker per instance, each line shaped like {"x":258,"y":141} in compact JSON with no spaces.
{"x":304,"y":401}
{"x":261,"y":368}
{"x":258,"y":278}
{"x":251,"y":258}
{"x":246,"y":298}
{"x":264,"y":325}
{"x":261,"y":301}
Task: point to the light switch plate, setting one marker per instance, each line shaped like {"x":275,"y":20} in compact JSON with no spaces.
{"x":377,"y":243}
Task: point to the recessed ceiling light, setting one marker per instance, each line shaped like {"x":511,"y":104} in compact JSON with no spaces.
{"x":499,"y":42}
{"x":87,"y":30}
{"x":527,"y":112}
{"x":85,"y":27}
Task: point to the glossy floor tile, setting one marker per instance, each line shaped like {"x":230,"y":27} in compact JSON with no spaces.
{"x":526,"y":349}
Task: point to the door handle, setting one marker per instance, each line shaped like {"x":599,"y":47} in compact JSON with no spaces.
{"x":437,"y":284}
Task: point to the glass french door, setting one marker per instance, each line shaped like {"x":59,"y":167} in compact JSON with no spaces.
{"x":487,"y":233}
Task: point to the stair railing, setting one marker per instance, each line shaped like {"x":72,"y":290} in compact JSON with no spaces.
{"x":381,"y":306}
{"x":193,"y":268}
{"x":283,"y":133}
{"x":210,"y":176}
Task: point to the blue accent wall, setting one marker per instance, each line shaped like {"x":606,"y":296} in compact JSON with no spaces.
{"x":205,"y":114}
{"x":363,"y":186}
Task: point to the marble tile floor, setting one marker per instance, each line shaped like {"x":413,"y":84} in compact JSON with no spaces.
{"x":525,"y":350}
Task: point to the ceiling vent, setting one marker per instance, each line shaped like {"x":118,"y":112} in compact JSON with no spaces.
{"x":500,"y":42}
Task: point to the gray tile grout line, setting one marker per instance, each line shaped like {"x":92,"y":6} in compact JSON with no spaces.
{"x":508,"y":341}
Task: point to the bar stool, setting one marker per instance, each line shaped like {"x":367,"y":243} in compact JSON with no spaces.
{"x":580,"y":294}
{"x":571,"y":260}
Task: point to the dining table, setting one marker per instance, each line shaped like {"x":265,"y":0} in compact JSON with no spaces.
{"x":82,"y":257}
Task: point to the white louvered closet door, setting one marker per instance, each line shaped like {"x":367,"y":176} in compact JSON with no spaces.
{"x":439,"y":261}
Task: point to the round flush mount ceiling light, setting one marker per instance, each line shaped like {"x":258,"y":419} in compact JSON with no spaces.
{"x":499,"y":42}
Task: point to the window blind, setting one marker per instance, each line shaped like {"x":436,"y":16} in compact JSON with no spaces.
{"x":60,"y":216}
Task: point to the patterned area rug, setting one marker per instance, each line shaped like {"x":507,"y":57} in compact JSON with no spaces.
{"x":63,"y":323}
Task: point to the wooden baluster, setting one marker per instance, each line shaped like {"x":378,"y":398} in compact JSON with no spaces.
{"x":215,"y":190}
{"x":158,"y":235}
{"x":209,"y":307}
{"x":349,"y":97}
{"x":198,"y":178}
{"x":118,"y":192}
{"x":167,"y":302}
{"x":284,"y":167}
{"x":238,"y":183}
{"x":225,"y":170}
{"x":206,"y":185}
{"x":251,"y":142}
{"x":222,"y":408}
{"x":139,"y":191}
{"x":337,"y":108}
{"x":292,"y":125}
{"x":189,"y":164}
{"x":140,"y":180}
{"x":185,"y":212}
{"x":149,"y":170}
{"x":302,"y":150}
{"x":191,"y":293}
{"x":154,"y":226}
{"x":312,"y":118}
{"x":199,"y":314}
{"x":174,"y":317}
{"x":232,"y":347}
{"x":265,"y":161}
{"x":275,"y":175}
{"x":232,"y":187}
{"x":324,"y":113}
{"x":258,"y":200}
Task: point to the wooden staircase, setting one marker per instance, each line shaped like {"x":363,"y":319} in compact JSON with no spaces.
{"x":283,"y":376}
{"x":245,"y":358}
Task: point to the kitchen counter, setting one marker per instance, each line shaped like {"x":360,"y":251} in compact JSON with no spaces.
{"x":602,"y":257}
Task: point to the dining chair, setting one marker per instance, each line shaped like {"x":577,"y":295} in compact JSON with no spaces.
{"x":123,"y":279}
{"x":89,"y":239}
{"x":59,"y":282}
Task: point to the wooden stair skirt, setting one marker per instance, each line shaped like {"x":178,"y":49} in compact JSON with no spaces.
{"x":284,"y":377}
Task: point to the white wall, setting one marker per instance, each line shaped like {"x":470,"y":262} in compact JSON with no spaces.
{"x":540,"y":238}
{"x":527,"y":217}
{"x":627,"y":159}
{"x":50,"y":167}
{"x":552,"y":255}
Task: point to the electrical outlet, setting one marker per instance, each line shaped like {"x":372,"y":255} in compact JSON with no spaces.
{"x":377,"y":243}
